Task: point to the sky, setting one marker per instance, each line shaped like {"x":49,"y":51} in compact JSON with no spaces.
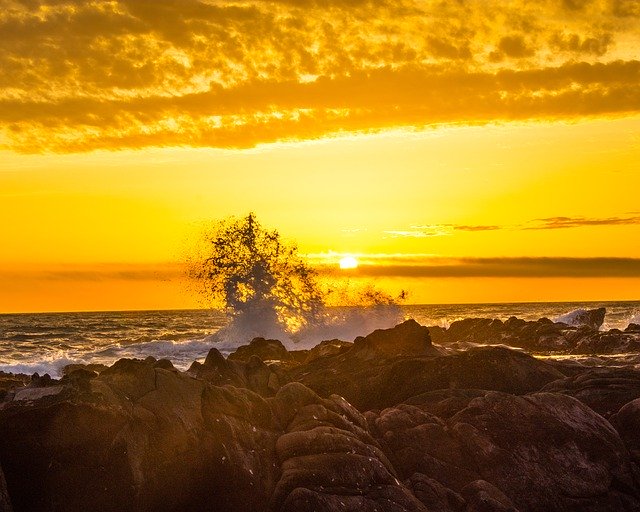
{"x":465,"y":151}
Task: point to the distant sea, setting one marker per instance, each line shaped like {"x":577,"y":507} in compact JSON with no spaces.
{"x":46,"y":342}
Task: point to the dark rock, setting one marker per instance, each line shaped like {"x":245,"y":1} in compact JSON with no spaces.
{"x":605,"y":390}
{"x":140,"y":439}
{"x":582,"y":336}
{"x":378,"y":383}
{"x":406,"y":339}
{"x":327,"y":348}
{"x":632,"y":328}
{"x":434,"y":495}
{"x":591,"y":318}
{"x":252,"y":374}
{"x":97,"y":368}
{"x":627,"y":423}
{"x":266,"y":350}
{"x":542,"y":452}
{"x":10,"y":381}
{"x":329,"y":461}
{"x":5,"y":502}
{"x":481,"y":496}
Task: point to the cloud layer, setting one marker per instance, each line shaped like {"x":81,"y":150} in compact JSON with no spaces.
{"x":78,"y":76}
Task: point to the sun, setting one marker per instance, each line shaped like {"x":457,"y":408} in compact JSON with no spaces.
{"x":348,"y":262}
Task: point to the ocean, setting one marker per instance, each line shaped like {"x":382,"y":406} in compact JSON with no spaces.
{"x":47,"y":342}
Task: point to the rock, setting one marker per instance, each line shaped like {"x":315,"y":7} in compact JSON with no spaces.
{"x":627,"y":423}
{"x":5,"y":502}
{"x":486,"y":368}
{"x":632,"y":328}
{"x":481,"y":496}
{"x":591,"y":318}
{"x":406,"y":339}
{"x":252,"y":374}
{"x":97,"y":368}
{"x":142,"y":438}
{"x":434,"y":495}
{"x":605,"y":390}
{"x":580,"y":335}
{"x":327,"y":348}
{"x":266,"y":350}
{"x":542,"y":452}
{"x":329,"y":461}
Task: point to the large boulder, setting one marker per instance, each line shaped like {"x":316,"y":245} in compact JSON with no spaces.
{"x":591,"y":318}
{"x":266,"y":350}
{"x":138,"y":437}
{"x":406,"y":339}
{"x":537,"y":452}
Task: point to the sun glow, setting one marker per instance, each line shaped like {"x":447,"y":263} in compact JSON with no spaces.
{"x":348,"y":262}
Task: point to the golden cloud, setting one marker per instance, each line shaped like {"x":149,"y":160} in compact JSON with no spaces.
{"x":79,"y":76}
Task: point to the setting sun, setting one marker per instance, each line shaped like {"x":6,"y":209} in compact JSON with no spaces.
{"x":348,"y":262}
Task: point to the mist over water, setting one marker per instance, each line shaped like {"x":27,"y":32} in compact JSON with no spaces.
{"x":45,"y":343}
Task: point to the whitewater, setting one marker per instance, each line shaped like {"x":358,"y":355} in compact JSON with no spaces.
{"x":47,"y":342}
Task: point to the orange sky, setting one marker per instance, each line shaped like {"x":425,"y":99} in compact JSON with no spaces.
{"x":466,"y":151}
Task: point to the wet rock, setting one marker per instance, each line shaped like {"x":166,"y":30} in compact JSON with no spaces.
{"x":406,"y":339}
{"x":327,"y":348}
{"x":252,"y":374}
{"x":266,"y":350}
{"x":580,"y":336}
{"x":591,"y":318}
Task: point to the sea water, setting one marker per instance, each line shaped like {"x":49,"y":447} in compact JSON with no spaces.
{"x":47,"y":342}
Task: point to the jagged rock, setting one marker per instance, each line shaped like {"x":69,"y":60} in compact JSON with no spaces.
{"x":406,"y":339}
{"x":252,"y":374}
{"x":327,"y":348}
{"x":591,"y":318}
{"x":581,"y":336}
{"x":266,"y":350}
{"x":605,"y":390}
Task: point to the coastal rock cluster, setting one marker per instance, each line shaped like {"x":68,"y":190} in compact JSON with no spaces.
{"x":404,"y":419}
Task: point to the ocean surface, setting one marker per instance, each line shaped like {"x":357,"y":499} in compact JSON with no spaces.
{"x":47,"y":342}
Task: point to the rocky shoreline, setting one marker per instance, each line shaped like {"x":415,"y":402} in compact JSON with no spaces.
{"x":412,"y":418}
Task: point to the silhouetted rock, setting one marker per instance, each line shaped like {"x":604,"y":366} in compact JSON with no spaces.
{"x":580,"y":336}
{"x":591,"y":318}
{"x":406,"y":339}
{"x":327,"y":348}
{"x":632,"y":328}
{"x":266,"y":350}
